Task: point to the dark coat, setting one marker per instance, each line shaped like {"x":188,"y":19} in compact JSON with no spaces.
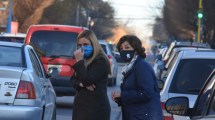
{"x":140,"y":94}
{"x":91,"y":105}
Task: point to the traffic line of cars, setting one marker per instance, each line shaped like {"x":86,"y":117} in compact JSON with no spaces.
{"x":184,"y":74}
{"x":36,"y":67}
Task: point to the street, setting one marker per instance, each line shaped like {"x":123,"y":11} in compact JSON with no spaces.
{"x":64,"y":104}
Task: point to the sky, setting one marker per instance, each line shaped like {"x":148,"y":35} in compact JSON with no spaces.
{"x":139,"y":14}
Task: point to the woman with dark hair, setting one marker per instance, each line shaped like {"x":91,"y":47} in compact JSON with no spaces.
{"x":140,"y":95}
{"x":91,"y":76}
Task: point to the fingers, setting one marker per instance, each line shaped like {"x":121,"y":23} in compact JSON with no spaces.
{"x":90,"y":88}
{"x":115,"y":94}
{"x":81,"y":85}
{"x":78,"y":54}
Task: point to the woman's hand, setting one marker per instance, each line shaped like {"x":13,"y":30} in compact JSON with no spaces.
{"x":81,"y":85}
{"x":79,"y":55}
{"x":91,"y":87}
{"x":115,"y":95}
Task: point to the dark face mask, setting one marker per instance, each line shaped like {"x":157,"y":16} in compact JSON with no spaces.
{"x":127,"y":55}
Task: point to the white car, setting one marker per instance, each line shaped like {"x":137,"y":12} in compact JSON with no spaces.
{"x":204,"y":106}
{"x":25,"y":91}
{"x":113,"y":76}
{"x":186,"y":75}
{"x":13,"y":37}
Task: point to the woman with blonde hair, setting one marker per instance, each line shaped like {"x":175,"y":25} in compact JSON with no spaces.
{"x":91,"y":77}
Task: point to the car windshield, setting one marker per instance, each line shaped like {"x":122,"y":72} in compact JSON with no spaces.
{"x":10,"y":56}
{"x":12,"y":39}
{"x":190,"y":75}
{"x":54,"y":43}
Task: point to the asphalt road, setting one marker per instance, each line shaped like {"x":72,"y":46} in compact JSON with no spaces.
{"x":64,"y":104}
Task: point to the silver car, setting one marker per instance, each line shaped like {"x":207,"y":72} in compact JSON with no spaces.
{"x":114,"y":68}
{"x":25,"y":91}
{"x":13,"y":37}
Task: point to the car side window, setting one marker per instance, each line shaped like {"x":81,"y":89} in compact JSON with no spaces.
{"x":40,"y":65}
{"x":212,"y":106}
{"x":204,"y":98}
{"x":36,"y":64}
{"x":166,"y":72}
{"x":187,"y":78}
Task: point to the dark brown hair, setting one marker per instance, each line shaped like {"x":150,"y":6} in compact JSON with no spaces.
{"x":135,"y":42}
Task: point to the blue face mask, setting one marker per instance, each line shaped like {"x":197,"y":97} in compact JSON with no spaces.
{"x":88,"y":51}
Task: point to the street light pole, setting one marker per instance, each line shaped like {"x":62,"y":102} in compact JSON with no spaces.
{"x":199,"y":21}
{"x":9,"y":20}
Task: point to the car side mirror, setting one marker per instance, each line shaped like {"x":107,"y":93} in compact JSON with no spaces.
{"x":177,"y":106}
{"x":160,"y":84}
{"x":53,"y":72}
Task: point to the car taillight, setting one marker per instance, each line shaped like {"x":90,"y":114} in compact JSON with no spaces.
{"x":166,"y":116}
{"x":25,"y":90}
{"x":110,"y":58}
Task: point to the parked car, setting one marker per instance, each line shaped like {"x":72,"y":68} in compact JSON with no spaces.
{"x":113,"y":76}
{"x":160,"y":63}
{"x":182,"y":44}
{"x":186,"y":75}
{"x":174,"y":53}
{"x":204,"y":108}
{"x":13,"y":37}
{"x":25,"y":91}
{"x":55,"y":45}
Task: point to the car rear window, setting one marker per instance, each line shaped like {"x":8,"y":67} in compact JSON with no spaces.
{"x":12,"y":39}
{"x":10,"y":56}
{"x":54,"y":43}
{"x":190,"y":75}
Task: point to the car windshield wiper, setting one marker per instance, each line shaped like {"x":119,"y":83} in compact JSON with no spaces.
{"x":53,"y":57}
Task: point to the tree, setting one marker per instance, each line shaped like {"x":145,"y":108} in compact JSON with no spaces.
{"x":67,"y":12}
{"x":28,"y":12}
{"x":159,"y":31}
{"x":180,"y":17}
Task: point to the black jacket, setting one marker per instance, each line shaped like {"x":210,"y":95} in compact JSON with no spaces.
{"x":91,"y":105}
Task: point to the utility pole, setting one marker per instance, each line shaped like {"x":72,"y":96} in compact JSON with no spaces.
{"x":77,"y":13}
{"x":9,"y":20}
{"x":200,"y":16}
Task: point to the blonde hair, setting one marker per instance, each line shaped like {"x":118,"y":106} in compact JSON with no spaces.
{"x":97,"y":49}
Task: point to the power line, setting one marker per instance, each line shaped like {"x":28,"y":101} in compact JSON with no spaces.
{"x":143,"y":7}
{"x":121,"y":18}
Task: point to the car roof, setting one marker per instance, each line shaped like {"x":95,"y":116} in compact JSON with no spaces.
{"x":190,"y":48}
{"x":199,"y":53}
{"x":58,"y":25}
{"x":102,"y":42}
{"x":185,"y":43}
{"x":21,"y":35}
{"x":11,"y":44}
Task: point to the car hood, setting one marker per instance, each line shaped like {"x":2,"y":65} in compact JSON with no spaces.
{"x":9,"y":82}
